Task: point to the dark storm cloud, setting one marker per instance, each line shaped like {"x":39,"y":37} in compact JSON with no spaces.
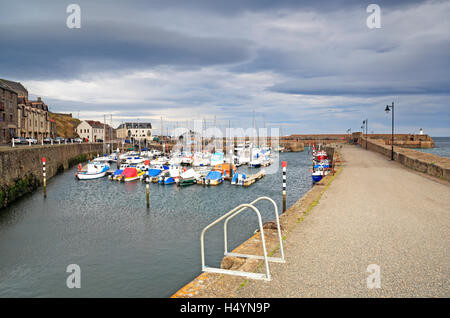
{"x":45,"y":50}
{"x":230,"y":57}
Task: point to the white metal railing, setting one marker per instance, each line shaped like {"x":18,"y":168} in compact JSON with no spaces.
{"x":228,"y":216}
{"x":272,"y":259}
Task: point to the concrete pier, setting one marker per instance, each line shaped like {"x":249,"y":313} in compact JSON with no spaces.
{"x":375,"y":213}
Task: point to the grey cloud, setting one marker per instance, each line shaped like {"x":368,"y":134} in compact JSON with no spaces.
{"x":46,"y":51}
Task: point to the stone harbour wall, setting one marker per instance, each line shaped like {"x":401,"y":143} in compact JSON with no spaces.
{"x":427,"y":163}
{"x":21,"y":167}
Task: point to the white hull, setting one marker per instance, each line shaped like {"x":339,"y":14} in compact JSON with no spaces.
{"x":90,"y":176}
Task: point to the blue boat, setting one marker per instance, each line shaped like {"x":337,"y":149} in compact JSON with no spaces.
{"x":152,"y":175}
{"x":169,"y":180}
{"x":316,"y":177}
{"x":238,"y":179}
{"x":153,"y":172}
{"x":214,"y":178}
{"x":165,"y":178}
{"x":116,"y":174}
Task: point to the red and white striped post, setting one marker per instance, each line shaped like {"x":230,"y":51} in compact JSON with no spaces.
{"x":147,"y":187}
{"x":284,"y":165}
{"x":45,"y":178}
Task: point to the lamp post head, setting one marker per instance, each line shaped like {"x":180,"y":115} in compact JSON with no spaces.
{"x":387,"y":109}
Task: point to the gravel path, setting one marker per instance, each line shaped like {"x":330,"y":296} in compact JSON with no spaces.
{"x":374,"y":212}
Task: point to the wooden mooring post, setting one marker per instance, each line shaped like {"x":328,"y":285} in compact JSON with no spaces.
{"x":148,"y":195}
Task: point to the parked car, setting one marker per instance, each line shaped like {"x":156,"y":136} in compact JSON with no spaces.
{"x":99,"y":140}
{"x":78,"y":140}
{"x":47,"y":140}
{"x":59,"y":140}
{"x":20,"y":141}
{"x":31,"y":140}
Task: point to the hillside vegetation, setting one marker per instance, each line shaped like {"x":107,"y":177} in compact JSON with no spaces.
{"x":65,"y":125}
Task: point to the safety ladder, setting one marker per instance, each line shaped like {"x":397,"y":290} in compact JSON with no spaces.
{"x":227,"y":217}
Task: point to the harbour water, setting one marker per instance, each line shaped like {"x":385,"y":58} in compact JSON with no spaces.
{"x":123,"y":249}
{"x":442,"y":147}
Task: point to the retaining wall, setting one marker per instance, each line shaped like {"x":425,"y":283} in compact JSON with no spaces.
{"x":21,"y":167}
{"x":430,"y":164}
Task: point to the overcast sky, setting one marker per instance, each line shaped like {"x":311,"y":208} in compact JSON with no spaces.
{"x":309,"y":67}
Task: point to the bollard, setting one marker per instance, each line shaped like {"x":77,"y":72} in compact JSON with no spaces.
{"x":44,"y":175}
{"x":148,"y":195}
{"x":12,"y":142}
{"x":284,"y":164}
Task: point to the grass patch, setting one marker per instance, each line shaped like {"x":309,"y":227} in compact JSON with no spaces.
{"x":243,"y":284}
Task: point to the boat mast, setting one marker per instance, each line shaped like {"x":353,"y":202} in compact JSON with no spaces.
{"x":104,"y":132}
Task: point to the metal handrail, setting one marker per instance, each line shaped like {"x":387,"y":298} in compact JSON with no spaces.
{"x":273,"y":259}
{"x":241,"y":208}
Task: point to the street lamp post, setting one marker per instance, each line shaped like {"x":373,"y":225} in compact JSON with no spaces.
{"x":366,"y":124}
{"x":387,"y":109}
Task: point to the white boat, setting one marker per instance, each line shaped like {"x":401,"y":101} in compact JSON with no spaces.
{"x":243,"y":155}
{"x":100,"y":160}
{"x":94,"y":171}
{"x":217,"y":159}
{"x":186,"y":160}
{"x":134,"y":160}
{"x":256,"y":163}
{"x":256,"y":158}
{"x":175,"y":160}
{"x":201,"y":160}
{"x":128,"y":154}
{"x":159,"y":161}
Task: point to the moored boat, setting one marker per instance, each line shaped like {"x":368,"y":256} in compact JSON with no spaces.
{"x":116,"y":175}
{"x":188,"y":178}
{"x":94,"y":171}
{"x":214,"y":178}
{"x":130,"y":174}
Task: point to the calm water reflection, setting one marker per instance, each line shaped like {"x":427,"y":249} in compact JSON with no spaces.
{"x":123,"y":249}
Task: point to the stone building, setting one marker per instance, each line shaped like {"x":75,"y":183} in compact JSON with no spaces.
{"x":32,"y":118}
{"x":135,"y":132}
{"x":92,"y":131}
{"x":8,"y":113}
